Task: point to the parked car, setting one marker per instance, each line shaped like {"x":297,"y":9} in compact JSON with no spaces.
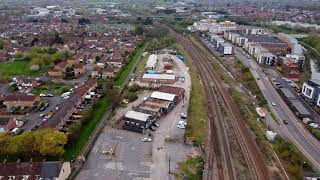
{"x":49,"y":95}
{"x":156,"y":124}
{"x":183,"y":115}
{"x":285,"y":121}
{"x":146,"y":139}
{"x":152,"y":128}
{"x":273,"y":104}
{"x":42,"y":95}
{"x":17,"y":131}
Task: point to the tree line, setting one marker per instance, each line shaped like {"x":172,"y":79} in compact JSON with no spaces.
{"x":40,"y":144}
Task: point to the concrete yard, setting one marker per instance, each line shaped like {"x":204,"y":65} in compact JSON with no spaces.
{"x":132,"y":158}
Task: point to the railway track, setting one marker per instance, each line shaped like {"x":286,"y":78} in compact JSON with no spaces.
{"x":219,"y":163}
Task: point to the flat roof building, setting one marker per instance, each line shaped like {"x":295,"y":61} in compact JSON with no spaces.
{"x":152,"y":62}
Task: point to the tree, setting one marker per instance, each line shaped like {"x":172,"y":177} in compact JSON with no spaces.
{"x":1,"y":43}
{"x":52,"y":143}
{"x":83,"y":21}
{"x":138,"y":30}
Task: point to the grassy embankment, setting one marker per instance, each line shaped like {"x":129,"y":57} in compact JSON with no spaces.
{"x":288,"y":154}
{"x":125,"y":72}
{"x":72,"y":150}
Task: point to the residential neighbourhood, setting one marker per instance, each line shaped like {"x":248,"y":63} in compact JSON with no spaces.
{"x":157,"y":90}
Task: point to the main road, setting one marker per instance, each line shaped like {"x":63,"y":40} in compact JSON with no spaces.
{"x":294,"y":130}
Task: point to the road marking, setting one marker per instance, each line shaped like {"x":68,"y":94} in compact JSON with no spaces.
{"x":141,"y":178}
{"x":151,"y":164}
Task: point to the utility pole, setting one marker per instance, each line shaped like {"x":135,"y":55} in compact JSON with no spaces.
{"x":169,"y":166}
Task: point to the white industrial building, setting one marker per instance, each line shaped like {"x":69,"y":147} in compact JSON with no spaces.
{"x":163,"y":96}
{"x":152,"y":62}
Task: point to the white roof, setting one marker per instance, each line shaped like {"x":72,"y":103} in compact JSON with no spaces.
{"x":137,"y":115}
{"x":163,"y":96}
{"x":159,"y":76}
{"x":152,"y":61}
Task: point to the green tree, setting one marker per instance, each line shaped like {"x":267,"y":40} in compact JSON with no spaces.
{"x":53,"y":143}
{"x":1,"y":43}
{"x":138,"y":30}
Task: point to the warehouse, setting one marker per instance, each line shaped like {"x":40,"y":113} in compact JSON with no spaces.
{"x":178,"y":91}
{"x":159,"y":78}
{"x":225,"y":48}
{"x":152,"y":62}
{"x":137,"y":121}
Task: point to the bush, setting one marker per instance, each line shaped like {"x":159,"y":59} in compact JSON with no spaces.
{"x":133,"y":88}
{"x":130,"y":96}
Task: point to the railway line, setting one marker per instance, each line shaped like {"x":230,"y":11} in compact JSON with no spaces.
{"x":219,"y":161}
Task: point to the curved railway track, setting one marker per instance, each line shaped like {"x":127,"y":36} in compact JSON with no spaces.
{"x":219,"y":163}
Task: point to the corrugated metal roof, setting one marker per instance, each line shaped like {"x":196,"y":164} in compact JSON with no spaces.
{"x":152,"y":61}
{"x":137,"y":115}
{"x":159,"y":76}
{"x":163,"y":96}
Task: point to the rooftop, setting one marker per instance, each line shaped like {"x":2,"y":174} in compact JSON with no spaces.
{"x":163,"y":96}
{"x":159,"y":76}
{"x":137,"y":115}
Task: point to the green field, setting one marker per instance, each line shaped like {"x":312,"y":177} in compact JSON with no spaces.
{"x":125,"y":72}
{"x":51,"y":88}
{"x":73,"y":150}
{"x":18,"y":68}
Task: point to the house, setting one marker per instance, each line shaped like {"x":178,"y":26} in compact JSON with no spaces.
{"x":79,"y":70}
{"x":116,"y":59}
{"x":311,"y":92}
{"x":108,"y":72}
{"x":55,"y":73}
{"x":20,"y":170}
{"x":55,"y":170}
{"x":52,"y":170}
{"x":65,"y":111}
{"x":26,"y":82}
{"x":225,"y":48}
{"x":290,"y":68}
{"x":62,"y":66}
{"x":7,"y":124}
{"x":20,"y":100}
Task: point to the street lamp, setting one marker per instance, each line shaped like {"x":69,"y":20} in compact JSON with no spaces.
{"x":300,"y":169}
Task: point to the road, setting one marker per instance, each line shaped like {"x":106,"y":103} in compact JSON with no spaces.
{"x":295,"y":130}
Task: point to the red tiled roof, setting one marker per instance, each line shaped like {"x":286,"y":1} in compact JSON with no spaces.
{"x":19,"y":169}
{"x":20,"y":97}
{"x":62,"y":64}
{"x":78,"y":66}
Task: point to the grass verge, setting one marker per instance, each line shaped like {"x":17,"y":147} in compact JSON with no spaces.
{"x":192,"y":169}
{"x":51,"y":88}
{"x":125,"y":72}
{"x":197,"y":111}
{"x":73,"y":150}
